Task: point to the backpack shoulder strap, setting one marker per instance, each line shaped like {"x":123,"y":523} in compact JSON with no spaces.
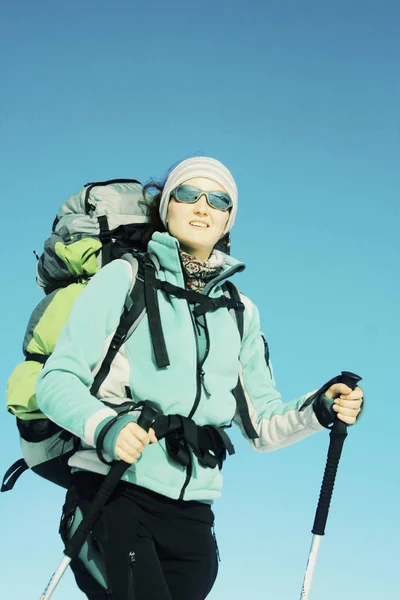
{"x":153,"y":312}
{"x":231,"y":290}
{"x":141,"y":299}
{"x":238,"y":392}
{"x":134,"y":311}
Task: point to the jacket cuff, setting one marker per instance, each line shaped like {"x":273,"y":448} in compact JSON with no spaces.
{"x":323,"y":409}
{"x":108,"y":444}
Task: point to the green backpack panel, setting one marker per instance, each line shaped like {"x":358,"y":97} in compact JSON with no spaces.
{"x":42,"y":332}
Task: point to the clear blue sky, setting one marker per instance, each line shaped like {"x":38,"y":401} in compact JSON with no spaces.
{"x":301,"y":100}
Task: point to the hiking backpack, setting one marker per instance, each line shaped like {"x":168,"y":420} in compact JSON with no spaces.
{"x":104,"y":221}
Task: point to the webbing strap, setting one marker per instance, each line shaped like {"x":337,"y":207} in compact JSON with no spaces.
{"x":209,"y":443}
{"x":105,"y":238}
{"x":238,"y":305}
{"x":127,"y":320}
{"x":243,"y":409}
{"x":40,"y":358}
{"x":174,"y":290}
{"x":13,"y":474}
{"x":215,"y":303}
{"x":205,"y":303}
{"x":170,"y":427}
{"x":238,"y":391}
{"x":153,"y":315}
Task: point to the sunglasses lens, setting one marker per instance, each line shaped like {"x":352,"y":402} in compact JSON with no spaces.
{"x":220,"y":200}
{"x":186,"y":193}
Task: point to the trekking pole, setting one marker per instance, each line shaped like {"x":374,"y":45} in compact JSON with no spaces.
{"x":338,"y":435}
{"x":74,"y":546}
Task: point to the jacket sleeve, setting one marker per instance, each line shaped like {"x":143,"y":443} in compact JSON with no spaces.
{"x":277,"y":424}
{"x":63,"y":387}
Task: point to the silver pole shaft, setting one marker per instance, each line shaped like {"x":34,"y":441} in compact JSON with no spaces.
{"x":312,"y":559}
{"x":59,"y":572}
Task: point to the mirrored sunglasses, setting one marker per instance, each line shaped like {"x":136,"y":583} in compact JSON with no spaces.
{"x":189,"y":194}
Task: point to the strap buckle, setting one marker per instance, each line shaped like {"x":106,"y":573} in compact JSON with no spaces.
{"x":239,"y":305}
{"x":117,"y":340}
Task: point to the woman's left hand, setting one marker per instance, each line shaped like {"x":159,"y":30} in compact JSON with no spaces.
{"x":347,"y":404}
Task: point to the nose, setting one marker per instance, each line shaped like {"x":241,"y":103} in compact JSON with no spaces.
{"x":201,"y":206}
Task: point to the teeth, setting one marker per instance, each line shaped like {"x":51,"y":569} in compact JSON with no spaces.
{"x":198,"y":224}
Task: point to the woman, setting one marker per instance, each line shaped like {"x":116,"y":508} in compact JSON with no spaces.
{"x":155,"y":537}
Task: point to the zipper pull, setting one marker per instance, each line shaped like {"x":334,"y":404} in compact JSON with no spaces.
{"x":131,"y":575}
{"x":203,"y":381}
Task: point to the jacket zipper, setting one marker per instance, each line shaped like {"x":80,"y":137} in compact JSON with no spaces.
{"x":199,"y":381}
{"x":199,"y":370}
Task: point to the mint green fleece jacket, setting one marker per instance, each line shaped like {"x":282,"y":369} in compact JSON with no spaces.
{"x":63,"y":385}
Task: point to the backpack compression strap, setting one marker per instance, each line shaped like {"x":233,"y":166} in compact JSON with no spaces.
{"x":90,"y":186}
{"x":105,"y":233}
{"x":12,"y":474}
{"x":105,"y":238}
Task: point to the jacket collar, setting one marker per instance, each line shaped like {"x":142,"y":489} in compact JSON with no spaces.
{"x":166,"y":249}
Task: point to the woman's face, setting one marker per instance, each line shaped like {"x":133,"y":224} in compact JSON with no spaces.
{"x":197,"y":226}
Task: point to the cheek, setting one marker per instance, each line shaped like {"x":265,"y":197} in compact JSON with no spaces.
{"x":176,"y":214}
{"x":224,"y":221}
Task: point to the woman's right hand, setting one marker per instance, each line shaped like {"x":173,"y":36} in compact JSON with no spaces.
{"x":131,"y":442}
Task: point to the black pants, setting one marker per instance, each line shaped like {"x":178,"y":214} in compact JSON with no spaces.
{"x":154,"y":548}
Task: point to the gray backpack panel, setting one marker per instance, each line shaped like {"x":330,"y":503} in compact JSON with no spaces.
{"x":99,"y":211}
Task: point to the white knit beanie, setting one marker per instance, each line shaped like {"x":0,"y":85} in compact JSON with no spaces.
{"x":201,"y":166}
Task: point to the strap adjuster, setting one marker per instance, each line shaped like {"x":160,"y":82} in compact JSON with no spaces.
{"x":117,"y":340}
{"x":239,"y":306}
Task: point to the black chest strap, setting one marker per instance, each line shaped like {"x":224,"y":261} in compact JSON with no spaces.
{"x":204,"y":303}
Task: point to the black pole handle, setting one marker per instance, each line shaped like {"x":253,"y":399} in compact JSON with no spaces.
{"x":73,"y":547}
{"x":338,"y":435}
